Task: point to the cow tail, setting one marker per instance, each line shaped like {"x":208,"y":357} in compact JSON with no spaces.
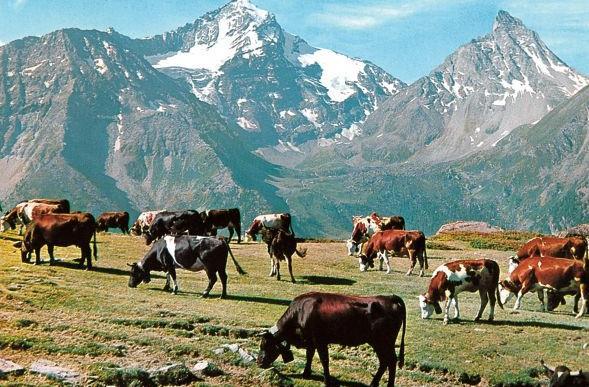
{"x":94,"y":247}
{"x":402,"y":348}
{"x":237,"y":266}
{"x":426,"y":265}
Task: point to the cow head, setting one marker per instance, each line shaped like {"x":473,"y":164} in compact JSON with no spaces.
{"x":250,"y":236}
{"x":270,"y":348}
{"x":148,"y":238}
{"x":427,"y":308}
{"x":138,"y":275}
{"x":507,"y":290}
{"x":6,"y":223}
{"x":25,"y":247}
{"x":365,"y":262}
{"x":512,"y":264}
{"x":562,"y":376}
{"x":353,"y":247}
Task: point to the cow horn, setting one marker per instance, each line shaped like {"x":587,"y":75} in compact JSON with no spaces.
{"x":17,"y":244}
{"x":551,"y":369}
{"x":130,"y":264}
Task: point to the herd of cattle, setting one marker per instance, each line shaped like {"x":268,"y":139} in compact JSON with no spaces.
{"x":551,"y":266}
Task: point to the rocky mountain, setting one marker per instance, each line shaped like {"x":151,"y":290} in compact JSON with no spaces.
{"x":473,"y":100}
{"x":269,"y":82}
{"x":82,"y":116}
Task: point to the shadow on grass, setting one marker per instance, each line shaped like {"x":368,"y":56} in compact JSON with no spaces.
{"x":74,"y":264}
{"x":323,"y":280}
{"x":11,"y":238}
{"x":263,"y":300}
{"x":319,"y":378}
{"x":536,"y":324}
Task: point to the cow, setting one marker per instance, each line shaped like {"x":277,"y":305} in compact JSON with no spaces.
{"x":562,"y":376}
{"x":270,"y":221}
{"x":175,"y":223}
{"x":550,"y":274}
{"x":64,"y":204}
{"x":216,"y":219}
{"x":194,"y":253}
{"x":365,"y":227}
{"x":315,"y":320}
{"x":452,"y":278}
{"x":400,"y":242}
{"x":60,"y":230}
{"x":281,"y":246}
{"x":26,"y":212}
{"x":144,"y":220}
{"x":570,"y":247}
{"x":117,"y":219}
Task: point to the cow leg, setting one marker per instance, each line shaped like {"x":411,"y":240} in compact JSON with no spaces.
{"x":230,"y":232}
{"x":493,"y":299}
{"x":525,"y":288}
{"x":324,"y":357}
{"x":413,"y":261}
{"x":584,"y":291}
{"x":421,"y":264}
{"x":289,"y":264}
{"x":50,"y":252}
{"x":38,"y":256}
{"x":575,"y":302}
{"x":543,"y":295}
{"x":172,"y":274}
{"x":238,"y":231}
{"x":383,"y":362}
{"x":386,"y":258}
{"x":484,"y":300}
{"x":212,"y":279}
{"x":223,"y":277}
{"x":277,"y":266}
{"x":381,"y":260}
{"x":456,"y":310}
{"x":310,"y":354}
{"x":447,"y":309}
{"x":167,"y":285}
{"x":87,"y":252}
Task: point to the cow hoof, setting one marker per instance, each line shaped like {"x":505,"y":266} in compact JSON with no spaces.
{"x":477,"y":318}
{"x":205,"y":295}
{"x":89,"y":268}
{"x":223,"y":296}
{"x":293,"y":281}
{"x":445,"y":322}
{"x":421,"y":273}
{"x":167,"y":288}
{"x":408,"y":273}
{"x":306,"y":375}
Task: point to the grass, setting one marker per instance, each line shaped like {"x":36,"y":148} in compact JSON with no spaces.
{"x":501,"y":241}
{"x":83,"y":318}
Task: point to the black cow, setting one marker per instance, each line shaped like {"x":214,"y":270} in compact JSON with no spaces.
{"x":194,"y":253}
{"x":562,"y":376}
{"x":216,"y":219}
{"x":314,"y":320}
{"x":175,"y":223}
{"x":282,"y":245}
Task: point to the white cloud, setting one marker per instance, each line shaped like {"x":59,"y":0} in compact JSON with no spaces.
{"x":372,"y":14}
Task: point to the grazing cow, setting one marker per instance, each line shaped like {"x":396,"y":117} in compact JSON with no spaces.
{"x":64,"y":204}
{"x":175,"y":223}
{"x":365,"y":227}
{"x":60,"y":230}
{"x":314,"y":320}
{"x":144,"y":220}
{"x":400,"y":242}
{"x":281,"y":246}
{"x":216,"y":219}
{"x":455,"y":277}
{"x":562,"y":376}
{"x":118,"y":219}
{"x":547,"y":273}
{"x":26,"y":212}
{"x":569,"y":247}
{"x":194,"y":253}
{"x":269,"y":221}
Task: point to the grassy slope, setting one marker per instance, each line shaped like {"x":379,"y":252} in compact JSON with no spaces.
{"x":81,"y":318}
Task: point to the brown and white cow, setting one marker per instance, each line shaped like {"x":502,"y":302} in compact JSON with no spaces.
{"x":568,"y":247}
{"x":399,"y":242}
{"x":115,"y":219}
{"x":365,"y":227}
{"x":26,"y":212}
{"x":550,"y":274}
{"x":60,"y":230}
{"x":454,"y":277}
{"x":269,"y":221}
{"x":144,"y":220}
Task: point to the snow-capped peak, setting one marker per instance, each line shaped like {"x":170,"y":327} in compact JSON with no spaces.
{"x":246,"y":6}
{"x":505,"y":20}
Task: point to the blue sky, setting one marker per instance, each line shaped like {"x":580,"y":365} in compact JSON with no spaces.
{"x":407,"y":38}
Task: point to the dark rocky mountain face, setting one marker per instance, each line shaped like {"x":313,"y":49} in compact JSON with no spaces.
{"x":85,"y":117}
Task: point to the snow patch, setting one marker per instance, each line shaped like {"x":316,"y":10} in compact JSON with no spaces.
{"x":311,"y":116}
{"x":140,"y":75}
{"x":353,"y":131}
{"x":338,"y":72}
{"x":30,"y":70}
{"x":242,"y":101}
{"x":246,"y":124}
{"x":100,"y":66}
{"x":326,"y":142}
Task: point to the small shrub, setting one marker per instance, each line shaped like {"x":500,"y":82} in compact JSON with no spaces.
{"x":24,"y":323}
{"x":111,"y":374}
{"x":17,"y":343}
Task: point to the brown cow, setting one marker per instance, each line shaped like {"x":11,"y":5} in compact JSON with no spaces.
{"x":60,"y":230}
{"x":454,"y":277}
{"x":365,"y":227}
{"x":547,"y":273}
{"x":315,"y":320}
{"x":216,"y":219}
{"x":64,"y":204}
{"x":26,"y":212}
{"x":116,"y":219}
{"x":400,"y":242}
{"x":569,"y":247}
{"x":281,"y":246}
